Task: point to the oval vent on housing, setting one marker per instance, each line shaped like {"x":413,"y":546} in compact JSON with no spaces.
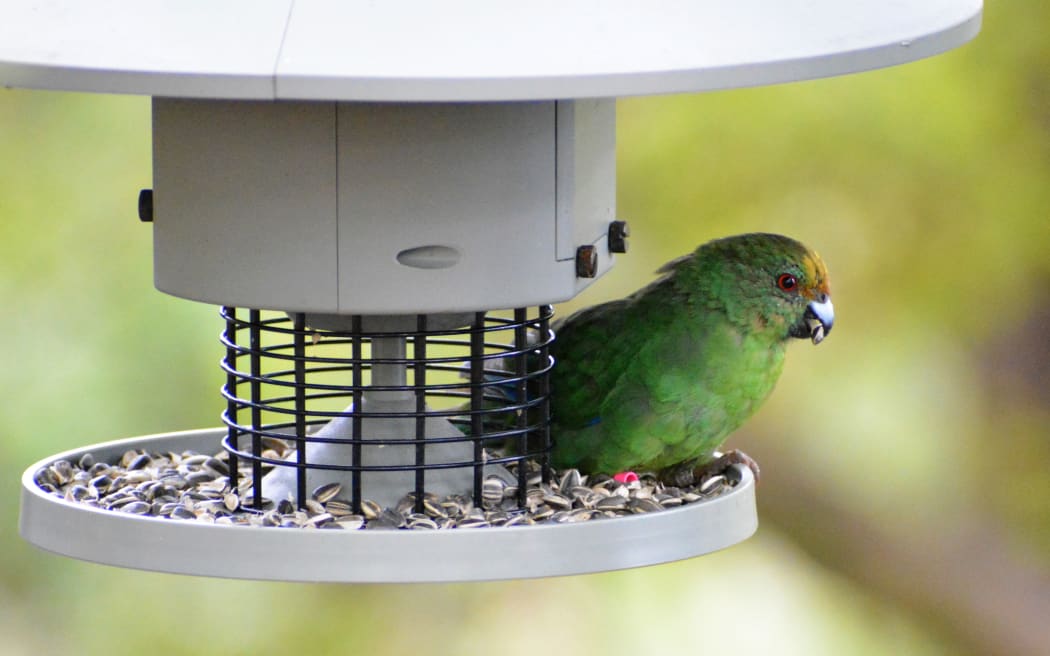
{"x":429,"y":257}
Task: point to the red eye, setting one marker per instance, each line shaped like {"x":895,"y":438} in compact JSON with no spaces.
{"x":787,"y":282}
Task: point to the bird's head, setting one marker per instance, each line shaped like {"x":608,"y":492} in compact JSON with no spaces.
{"x":768,"y":283}
{"x":805,"y":286}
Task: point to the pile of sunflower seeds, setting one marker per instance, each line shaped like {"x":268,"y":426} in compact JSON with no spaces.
{"x":195,"y":487}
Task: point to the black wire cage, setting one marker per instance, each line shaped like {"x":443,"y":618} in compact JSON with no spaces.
{"x":288,"y":383}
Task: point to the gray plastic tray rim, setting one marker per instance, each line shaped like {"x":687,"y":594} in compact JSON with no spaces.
{"x":379,"y":556}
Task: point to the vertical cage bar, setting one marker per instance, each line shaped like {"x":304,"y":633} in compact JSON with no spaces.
{"x":419,"y":353}
{"x":299,"y":325}
{"x":255,"y":349}
{"x":545,"y":405}
{"x":521,"y":338}
{"x":358,"y":382}
{"x":477,"y":378}
{"x":231,"y":389}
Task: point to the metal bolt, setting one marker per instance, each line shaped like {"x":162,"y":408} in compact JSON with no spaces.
{"x":146,"y":205}
{"x":618,"y":234}
{"x":586,"y":262}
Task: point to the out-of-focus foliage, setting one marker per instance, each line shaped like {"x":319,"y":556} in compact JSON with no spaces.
{"x":925,"y":187}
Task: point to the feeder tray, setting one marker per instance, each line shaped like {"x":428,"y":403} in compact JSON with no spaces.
{"x":426,"y":164}
{"x":382,"y":556}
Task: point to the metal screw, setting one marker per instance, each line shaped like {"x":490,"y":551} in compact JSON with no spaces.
{"x":586,"y":262}
{"x":146,"y":205}
{"x":618,"y":234}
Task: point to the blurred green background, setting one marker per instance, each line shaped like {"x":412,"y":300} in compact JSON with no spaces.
{"x":905,"y":504}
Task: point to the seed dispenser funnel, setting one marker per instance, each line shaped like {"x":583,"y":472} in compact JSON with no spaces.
{"x":384,"y":200}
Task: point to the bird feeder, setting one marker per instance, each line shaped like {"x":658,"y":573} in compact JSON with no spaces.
{"x":384,"y":199}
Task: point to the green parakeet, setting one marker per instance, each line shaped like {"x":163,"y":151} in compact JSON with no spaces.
{"x":659,"y":379}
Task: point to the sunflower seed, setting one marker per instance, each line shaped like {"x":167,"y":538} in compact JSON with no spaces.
{"x":515,"y":520}
{"x":101,"y":483}
{"x":370,"y":509}
{"x":386,"y":519}
{"x":231,"y":502}
{"x":138,"y":476}
{"x":543,"y":511}
{"x":319,"y":520}
{"x":182,"y":512}
{"x":326,"y":492}
{"x":557,"y":501}
{"x":114,"y":502}
{"x":136,"y":508}
{"x":197,"y":477}
{"x":212,"y":506}
{"x":644,"y":492}
{"x":434,"y":509}
{"x":339,"y":508}
{"x":570,"y":479}
{"x":80,"y":493}
{"x":61,"y":472}
{"x":128,"y":456}
{"x":667,"y":500}
{"x":614,"y":502}
{"x":711,"y":484}
{"x":406,"y":504}
{"x":275,"y":444}
{"x":215,"y":467}
{"x":643,"y":506}
{"x":492,"y":491}
{"x":421,"y":521}
{"x":140,"y":461}
{"x":47,"y":476}
{"x":189,"y":485}
{"x":350,"y":521}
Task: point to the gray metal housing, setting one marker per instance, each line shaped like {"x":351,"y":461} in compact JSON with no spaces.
{"x":372,"y":208}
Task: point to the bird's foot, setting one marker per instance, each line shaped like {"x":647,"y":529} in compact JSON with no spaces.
{"x":689,"y":473}
{"x":724,"y":462}
{"x":626,"y":477}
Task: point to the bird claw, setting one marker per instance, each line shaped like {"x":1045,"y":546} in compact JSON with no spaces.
{"x":727,"y":460}
{"x":688,"y":473}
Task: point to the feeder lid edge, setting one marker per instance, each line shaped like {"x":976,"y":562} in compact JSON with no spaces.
{"x":460,"y":50}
